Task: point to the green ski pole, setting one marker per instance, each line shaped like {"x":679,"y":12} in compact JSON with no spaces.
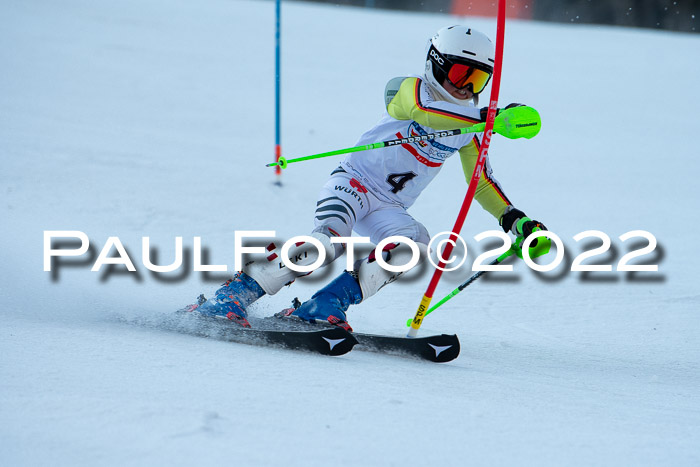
{"x":516,"y":122}
{"x":542,"y":248}
{"x":465,"y":284}
{"x":283,"y":162}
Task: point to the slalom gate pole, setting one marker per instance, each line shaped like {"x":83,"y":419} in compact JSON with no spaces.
{"x":483,"y":151}
{"x":513,"y":123}
{"x":278,"y":147}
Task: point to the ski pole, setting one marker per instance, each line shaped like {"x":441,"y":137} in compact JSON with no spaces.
{"x":464,"y":285}
{"x":542,"y":248}
{"x":513,"y":123}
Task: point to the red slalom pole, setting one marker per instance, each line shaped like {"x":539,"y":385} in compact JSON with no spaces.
{"x":278,"y":154}
{"x":483,"y":151}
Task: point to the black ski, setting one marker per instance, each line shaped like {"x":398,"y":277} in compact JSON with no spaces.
{"x":326,"y":341}
{"x":293,"y":333}
{"x":331,"y":341}
{"x":438,"y":348}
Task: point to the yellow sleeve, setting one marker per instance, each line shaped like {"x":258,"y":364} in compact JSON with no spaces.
{"x":488,"y":192}
{"x":408,"y":104}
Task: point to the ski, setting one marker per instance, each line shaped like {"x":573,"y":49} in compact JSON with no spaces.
{"x":439,"y":348}
{"x":323,"y":338}
{"x":332,"y":341}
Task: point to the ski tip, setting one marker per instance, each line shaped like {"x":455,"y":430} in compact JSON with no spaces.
{"x":443,"y":348}
{"x":339,"y":342}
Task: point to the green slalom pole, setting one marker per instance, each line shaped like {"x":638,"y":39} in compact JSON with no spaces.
{"x":542,"y":248}
{"x":513,"y":123}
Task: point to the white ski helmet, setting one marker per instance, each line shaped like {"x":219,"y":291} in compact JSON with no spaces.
{"x":463,"y":56}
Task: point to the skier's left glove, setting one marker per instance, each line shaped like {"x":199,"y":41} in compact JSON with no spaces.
{"x":515,"y":221}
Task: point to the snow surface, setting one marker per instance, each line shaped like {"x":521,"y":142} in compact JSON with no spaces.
{"x":156,"y":118}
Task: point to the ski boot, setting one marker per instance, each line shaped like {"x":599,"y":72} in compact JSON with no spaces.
{"x":232,"y":299}
{"x":330,"y":303}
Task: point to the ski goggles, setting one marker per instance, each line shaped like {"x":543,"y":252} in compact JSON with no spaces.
{"x":463,"y":73}
{"x":461,"y":76}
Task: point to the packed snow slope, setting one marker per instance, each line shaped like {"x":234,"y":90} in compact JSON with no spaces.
{"x":156,"y":118}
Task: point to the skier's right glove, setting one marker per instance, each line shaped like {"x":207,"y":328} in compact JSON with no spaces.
{"x":515,"y":221}
{"x":485,"y":110}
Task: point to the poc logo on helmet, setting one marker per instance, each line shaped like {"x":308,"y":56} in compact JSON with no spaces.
{"x":437,"y":57}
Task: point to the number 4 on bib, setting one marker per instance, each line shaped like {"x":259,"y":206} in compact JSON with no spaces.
{"x":399,"y":181}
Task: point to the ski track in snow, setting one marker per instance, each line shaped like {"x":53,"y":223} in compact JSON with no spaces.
{"x":156,"y":119}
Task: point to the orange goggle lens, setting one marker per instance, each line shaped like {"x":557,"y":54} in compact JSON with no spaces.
{"x":461,"y":76}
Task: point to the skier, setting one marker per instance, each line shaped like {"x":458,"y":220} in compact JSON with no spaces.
{"x":371,"y":192}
